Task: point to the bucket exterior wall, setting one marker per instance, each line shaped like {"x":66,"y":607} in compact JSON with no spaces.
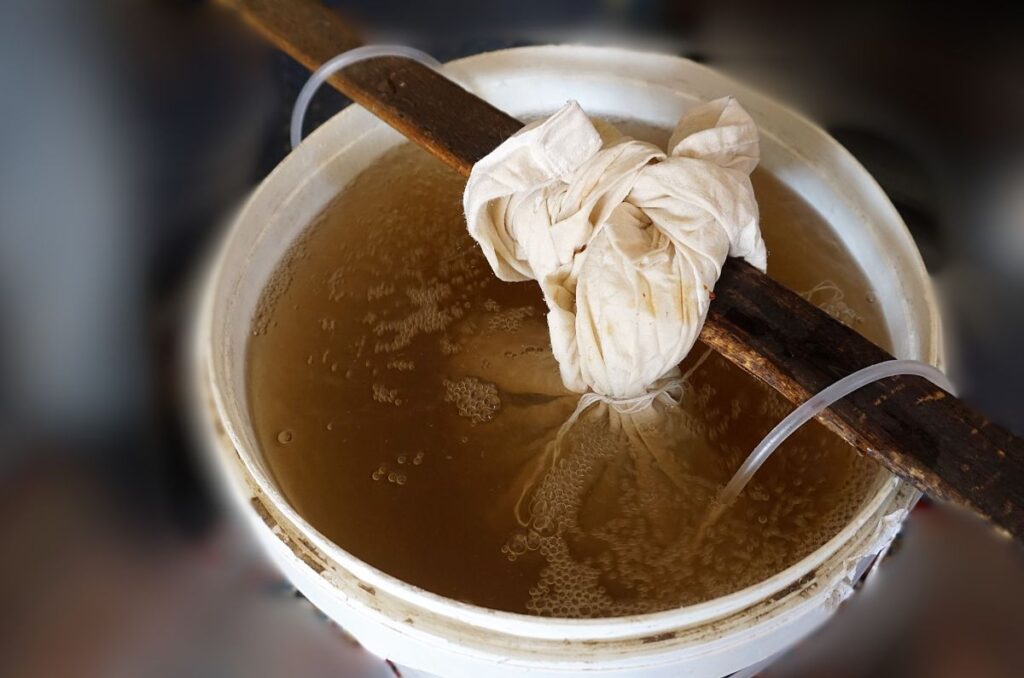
{"x":437,"y":636}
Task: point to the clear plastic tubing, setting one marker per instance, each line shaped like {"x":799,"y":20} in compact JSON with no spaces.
{"x":341,"y":61}
{"x":813,"y":406}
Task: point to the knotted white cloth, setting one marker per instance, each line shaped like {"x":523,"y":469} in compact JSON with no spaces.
{"x":625,"y":240}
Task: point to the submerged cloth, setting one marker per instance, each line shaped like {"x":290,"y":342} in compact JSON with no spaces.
{"x":625,"y":239}
{"x":582,"y":473}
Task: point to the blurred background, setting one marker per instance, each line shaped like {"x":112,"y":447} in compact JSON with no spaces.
{"x":131,"y":130}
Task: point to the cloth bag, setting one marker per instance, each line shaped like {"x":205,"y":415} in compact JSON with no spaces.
{"x":625,"y":239}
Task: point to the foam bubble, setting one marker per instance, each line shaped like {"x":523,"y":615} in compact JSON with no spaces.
{"x":510,"y":320}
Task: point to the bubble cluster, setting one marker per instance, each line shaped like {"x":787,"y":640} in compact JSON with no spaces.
{"x":475,"y":400}
{"x":428,"y":315}
{"x":509,"y":320}
{"x":379,"y":291}
{"x":449,"y":347}
{"x":383,"y":394}
{"x":279,"y":283}
{"x":401,"y":365}
{"x":336,"y":285}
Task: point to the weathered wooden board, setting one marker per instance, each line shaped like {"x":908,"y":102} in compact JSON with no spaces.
{"x":911,"y":426}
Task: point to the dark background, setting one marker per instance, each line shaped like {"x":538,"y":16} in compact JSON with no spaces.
{"x":131,"y":130}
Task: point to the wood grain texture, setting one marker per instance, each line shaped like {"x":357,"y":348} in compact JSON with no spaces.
{"x":456,"y":126}
{"x":913,"y":428}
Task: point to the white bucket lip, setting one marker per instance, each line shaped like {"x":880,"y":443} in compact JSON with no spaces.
{"x":522,"y":624}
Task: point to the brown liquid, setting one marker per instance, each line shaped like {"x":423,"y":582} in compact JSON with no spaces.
{"x":405,"y":400}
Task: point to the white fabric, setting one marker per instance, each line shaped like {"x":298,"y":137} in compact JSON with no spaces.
{"x":625,"y":240}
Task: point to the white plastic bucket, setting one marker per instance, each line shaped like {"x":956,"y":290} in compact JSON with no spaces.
{"x":428,"y":633}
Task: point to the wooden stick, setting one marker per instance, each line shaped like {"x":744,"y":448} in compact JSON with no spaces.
{"x":913,"y":428}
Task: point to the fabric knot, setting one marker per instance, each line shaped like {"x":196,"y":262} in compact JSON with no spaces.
{"x":669,"y":390}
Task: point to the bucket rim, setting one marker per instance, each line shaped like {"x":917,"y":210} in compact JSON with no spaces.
{"x":492,"y":64}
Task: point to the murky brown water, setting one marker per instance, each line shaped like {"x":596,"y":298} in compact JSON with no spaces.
{"x":407,"y":402}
